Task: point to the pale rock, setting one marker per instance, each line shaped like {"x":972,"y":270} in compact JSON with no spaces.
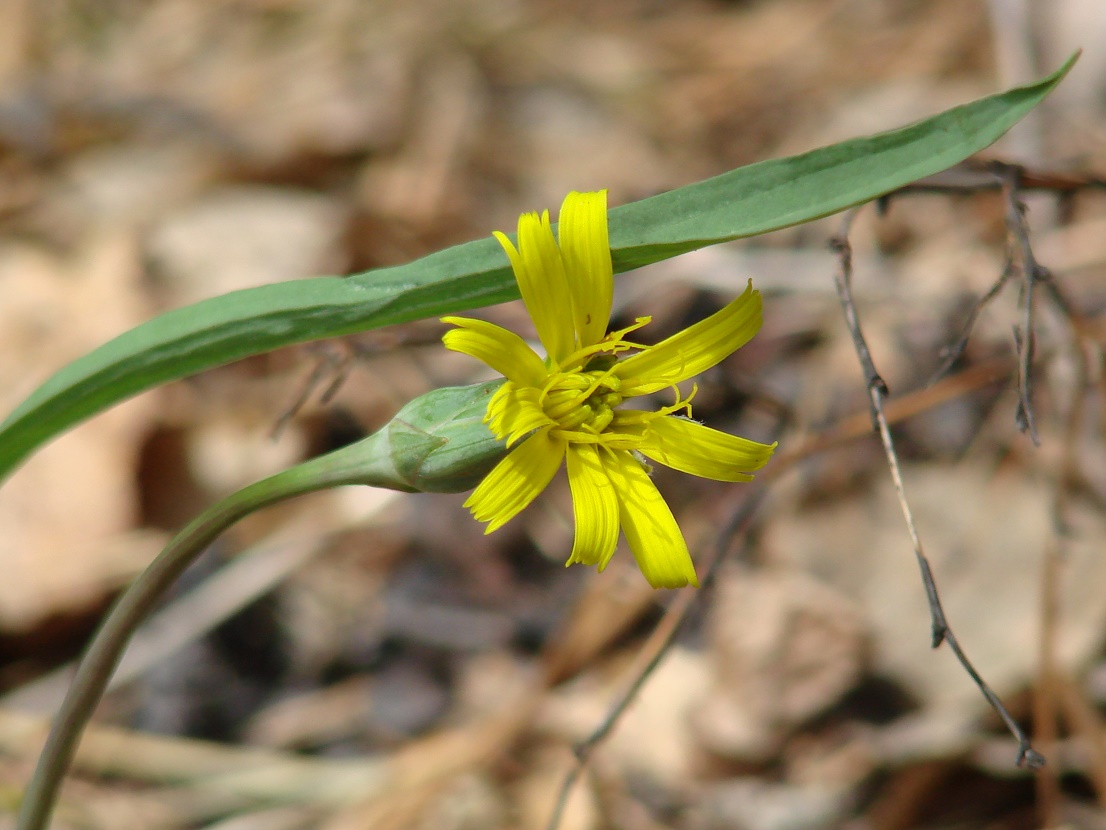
{"x":242,"y":236}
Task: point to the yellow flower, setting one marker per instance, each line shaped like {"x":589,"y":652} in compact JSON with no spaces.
{"x":566,"y":407}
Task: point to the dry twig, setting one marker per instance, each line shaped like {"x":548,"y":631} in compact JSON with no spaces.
{"x":1032,"y":273}
{"x":953,"y":353}
{"x":877,"y":392}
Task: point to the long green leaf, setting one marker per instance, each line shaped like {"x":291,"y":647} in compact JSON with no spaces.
{"x":744,"y":202}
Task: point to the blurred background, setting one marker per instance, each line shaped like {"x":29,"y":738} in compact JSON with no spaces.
{"x":368,"y":659}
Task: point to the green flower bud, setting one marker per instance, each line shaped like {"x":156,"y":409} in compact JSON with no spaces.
{"x":437,"y":443}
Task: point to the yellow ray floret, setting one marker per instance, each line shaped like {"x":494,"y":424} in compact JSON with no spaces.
{"x":594,"y":506}
{"x":568,"y":407}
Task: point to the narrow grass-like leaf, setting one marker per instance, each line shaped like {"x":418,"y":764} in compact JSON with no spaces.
{"x":747,"y":201}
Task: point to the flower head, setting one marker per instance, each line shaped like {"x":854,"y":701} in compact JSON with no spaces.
{"x":568,"y":406}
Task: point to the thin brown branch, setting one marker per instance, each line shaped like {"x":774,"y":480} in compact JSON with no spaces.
{"x":1032,"y":273}
{"x":978,"y":176}
{"x":859,"y":425}
{"x":953,"y":353}
{"x":1020,"y":259}
{"x":877,"y":392}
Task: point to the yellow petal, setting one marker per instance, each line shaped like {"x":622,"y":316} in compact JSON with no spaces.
{"x":501,"y":349}
{"x":540,"y":273}
{"x":693,"y":448}
{"x":586,"y":248}
{"x":650,"y":528}
{"x":516,"y":480}
{"x":595,"y":506}
{"x":693,"y":350}
{"x":515,"y":411}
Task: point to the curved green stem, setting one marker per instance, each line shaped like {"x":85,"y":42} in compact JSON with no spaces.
{"x":436,"y":443}
{"x":366,"y":462}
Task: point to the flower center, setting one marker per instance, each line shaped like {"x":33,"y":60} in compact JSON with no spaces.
{"x":582,"y":401}
{"x":580,"y":396}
